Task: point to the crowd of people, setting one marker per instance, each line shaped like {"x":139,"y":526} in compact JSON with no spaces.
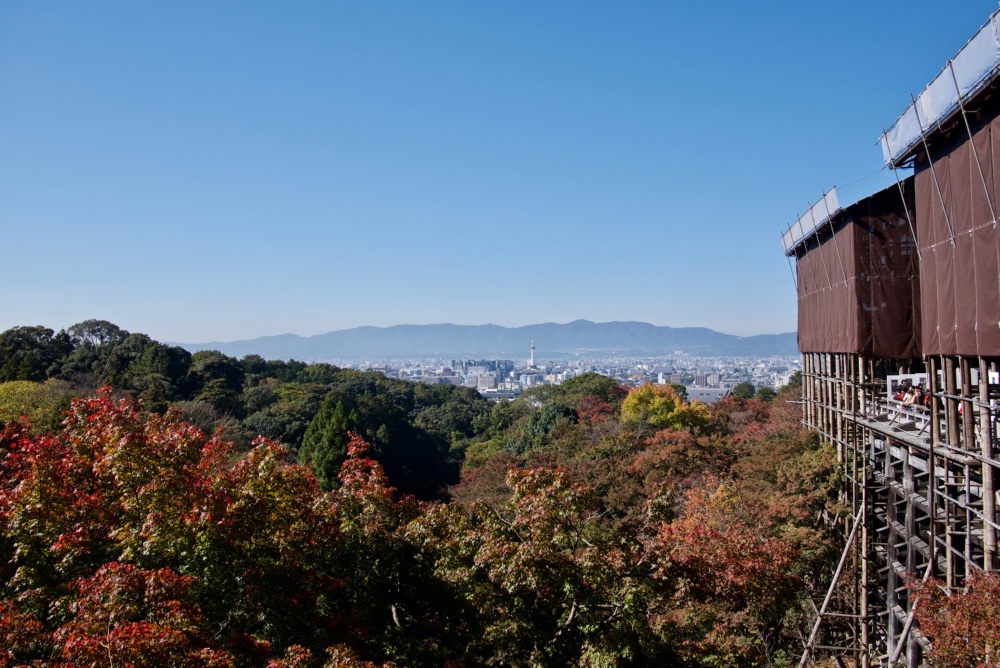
{"x":912,"y":395}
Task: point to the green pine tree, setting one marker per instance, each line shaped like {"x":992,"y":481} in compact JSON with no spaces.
{"x":324,"y":446}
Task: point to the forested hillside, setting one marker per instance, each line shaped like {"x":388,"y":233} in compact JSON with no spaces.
{"x":291,"y":515}
{"x":415,"y":430}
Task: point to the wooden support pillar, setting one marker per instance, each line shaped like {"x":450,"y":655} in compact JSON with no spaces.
{"x":818,"y":389}
{"x":806,"y":393}
{"x":968,"y":425}
{"x":803,"y":391}
{"x":968,"y":414}
{"x":862,"y":398}
{"x":870,"y":377}
{"x":909,"y":520}
{"x":951,"y":404}
{"x":841,"y":392}
{"x":828,"y":398}
{"x":807,"y":387}
{"x":989,"y":473}
{"x":861,"y":470}
{"x":914,"y":652}
{"x":824,"y":401}
{"x":892,"y":552}
{"x":852,"y":376}
{"x":814,"y":386}
{"x":954,"y":439}
{"x":818,"y":392}
{"x":933,"y":367}
{"x":820,"y":386}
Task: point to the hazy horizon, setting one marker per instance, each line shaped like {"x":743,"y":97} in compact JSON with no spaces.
{"x":483,"y":324}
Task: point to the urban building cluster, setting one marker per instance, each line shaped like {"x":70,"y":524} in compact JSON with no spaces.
{"x":706,"y":379}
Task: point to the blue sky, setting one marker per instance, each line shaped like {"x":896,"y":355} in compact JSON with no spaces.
{"x":204,"y":171}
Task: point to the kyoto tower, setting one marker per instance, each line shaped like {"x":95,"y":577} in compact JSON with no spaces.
{"x":531,"y":360}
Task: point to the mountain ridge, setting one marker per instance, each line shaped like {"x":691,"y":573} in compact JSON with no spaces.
{"x":552,"y":339}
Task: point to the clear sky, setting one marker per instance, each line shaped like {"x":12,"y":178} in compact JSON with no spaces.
{"x":210,"y":170}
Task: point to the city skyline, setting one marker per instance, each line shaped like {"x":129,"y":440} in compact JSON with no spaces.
{"x":234,"y":171}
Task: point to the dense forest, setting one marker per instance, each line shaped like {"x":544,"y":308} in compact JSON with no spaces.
{"x":162,"y":508}
{"x":415,"y":430}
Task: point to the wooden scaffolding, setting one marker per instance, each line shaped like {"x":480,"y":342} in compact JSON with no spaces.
{"x":921,"y":480}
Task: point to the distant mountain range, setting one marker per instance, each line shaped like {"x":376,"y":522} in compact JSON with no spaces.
{"x":458,"y":341}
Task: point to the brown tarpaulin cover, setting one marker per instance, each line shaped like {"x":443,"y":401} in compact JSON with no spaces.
{"x":959,"y":244}
{"x":858,"y":288}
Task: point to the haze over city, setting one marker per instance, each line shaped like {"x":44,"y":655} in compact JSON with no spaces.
{"x":229,"y":171}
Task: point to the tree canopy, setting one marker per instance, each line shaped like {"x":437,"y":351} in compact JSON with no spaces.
{"x":204,"y":510}
{"x":161,"y":545}
{"x":417,"y":431}
{"x":660,"y":407}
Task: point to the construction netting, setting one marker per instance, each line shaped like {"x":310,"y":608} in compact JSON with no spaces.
{"x":959,"y":243}
{"x":858,"y":283}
